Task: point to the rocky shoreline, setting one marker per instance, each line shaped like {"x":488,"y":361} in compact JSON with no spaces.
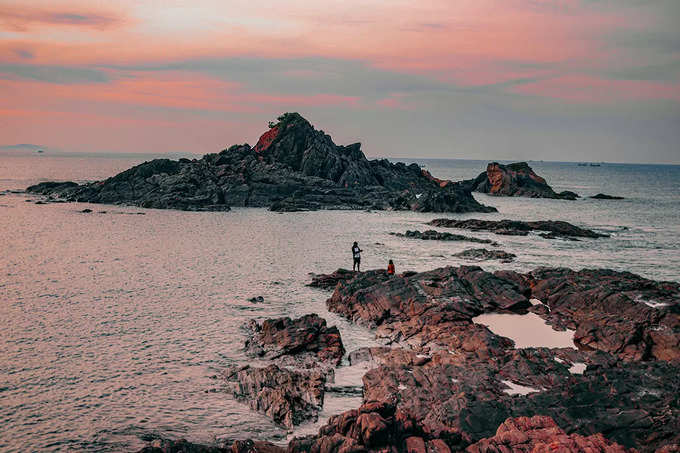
{"x":445,"y":383}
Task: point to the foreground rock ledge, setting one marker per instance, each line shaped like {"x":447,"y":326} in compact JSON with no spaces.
{"x":293,"y":167}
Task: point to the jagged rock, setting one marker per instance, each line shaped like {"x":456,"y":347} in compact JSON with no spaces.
{"x":541,"y":434}
{"x":292,"y":167}
{"x":601,"y":196}
{"x":618,"y":312}
{"x":484,"y":254}
{"x":432,"y":235}
{"x":304,"y":342}
{"x":514,"y":180}
{"x":330,"y":281}
{"x":288,"y":397}
{"x":555,"y":228}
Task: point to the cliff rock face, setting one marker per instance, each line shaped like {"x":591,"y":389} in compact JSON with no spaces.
{"x":292,"y":167}
{"x":515,"y":180}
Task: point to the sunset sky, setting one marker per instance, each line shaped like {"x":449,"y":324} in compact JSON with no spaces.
{"x":594,"y":80}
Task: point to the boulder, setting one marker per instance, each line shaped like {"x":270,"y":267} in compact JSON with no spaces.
{"x":601,"y":196}
{"x":304,"y":342}
{"x":288,"y":397}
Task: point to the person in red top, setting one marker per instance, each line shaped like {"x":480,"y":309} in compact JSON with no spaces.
{"x":390,"y":268}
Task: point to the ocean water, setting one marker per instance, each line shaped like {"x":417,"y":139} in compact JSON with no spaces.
{"x":113,"y":324}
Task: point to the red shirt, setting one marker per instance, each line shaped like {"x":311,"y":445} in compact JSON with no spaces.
{"x":390,"y":269}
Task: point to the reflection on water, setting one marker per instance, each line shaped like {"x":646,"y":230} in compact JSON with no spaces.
{"x":527,"y":331}
{"x":112,"y":325}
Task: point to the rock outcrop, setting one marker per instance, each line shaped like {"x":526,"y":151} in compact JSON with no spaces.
{"x":618,"y":312}
{"x":432,"y":235}
{"x":330,"y":281}
{"x":292,"y":167}
{"x":485,"y":255}
{"x":554,"y":228}
{"x":305,"y":342}
{"x":541,"y":434}
{"x":515,"y":180}
{"x":602,"y":196}
{"x":457,"y":380}
{"x":288,"y":397}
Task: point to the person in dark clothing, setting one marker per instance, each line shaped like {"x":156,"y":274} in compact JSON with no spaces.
{"x":390,"y":268}
{"x":356,"y":255}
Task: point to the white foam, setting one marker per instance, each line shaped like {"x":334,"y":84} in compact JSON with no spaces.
{"x":516,"y":389}
{"x":558,"y":360}
{"x":527,"y":331}
{"x":401,"y":387}
{"x":650,"y":303}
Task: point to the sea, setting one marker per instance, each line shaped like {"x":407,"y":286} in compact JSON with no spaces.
{"x":115,"y":325}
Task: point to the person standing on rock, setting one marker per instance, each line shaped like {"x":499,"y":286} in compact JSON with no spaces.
{"x":356,"y":255}
{"x":390,"y":268}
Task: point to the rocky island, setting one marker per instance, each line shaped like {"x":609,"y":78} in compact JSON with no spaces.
{"x":293,"y":167}
{"x":515,"y":180}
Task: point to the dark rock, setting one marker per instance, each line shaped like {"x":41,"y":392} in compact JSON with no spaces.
{"x":304,"y":342}
{"x":514,"y":180}
{"x":432,"y":235}
{"x":288,"y":397}
{"x":556,"y":228}
{"x":183,"y":446}
{"x":484,"y":254}
{"x":601,"y":196}
{"x":256,"y":299}
{"x":541,"y":433}
{"x":330,"y":281}
{"x":293,"y":167}
{"x":86,"y":210}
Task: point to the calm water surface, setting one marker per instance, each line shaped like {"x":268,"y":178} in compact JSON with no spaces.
{"x":113,"y":324}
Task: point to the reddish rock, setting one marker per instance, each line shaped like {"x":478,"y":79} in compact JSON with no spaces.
{"x":304,"y":342}
{"x":540,"y":434}
{"x":415,"y":445}
{"x":267,"y":139}
{"x":515,"y":180}
{"x":618,"y":312}
{"x":288,"y":397}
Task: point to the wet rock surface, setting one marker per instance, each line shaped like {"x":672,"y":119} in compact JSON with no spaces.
{"x":183,"y":446}
{"x":617,"y":312}
{"x":432,"y":235}
{"x":293,"y":167}
{"x":541,"y":433}
{"x":515,"y":180}
{"x":555,"y":228}
{"x":289,"y":397}
{"x":484,"y":255}
{"x":304,"y":342}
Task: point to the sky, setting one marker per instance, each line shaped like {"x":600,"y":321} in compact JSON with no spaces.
{"x":568,"y":80}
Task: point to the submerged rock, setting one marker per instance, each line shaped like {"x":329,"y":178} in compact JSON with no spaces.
{"x":555,"y":228}
{"x":288,"y":397}
{"x":432,"y":235}
{"x":304,"y":342}
{"x":293,"y":167}
{"x":515,"y":180}
{"x":484,"y":255}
